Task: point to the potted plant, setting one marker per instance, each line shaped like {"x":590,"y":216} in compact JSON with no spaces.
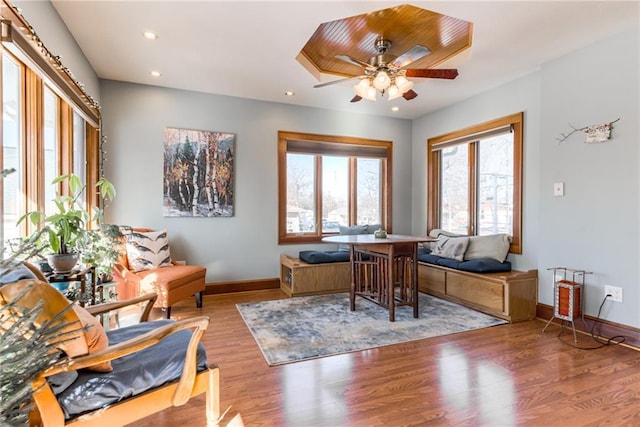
{"x":66,"y":229}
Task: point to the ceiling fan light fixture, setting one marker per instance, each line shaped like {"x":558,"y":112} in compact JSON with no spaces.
{"x":393,"y":92}
{"x":403,"y":84}
{"x":371,"y":93}
{"x":382,"y":80}
{"x":361,"y":88}
{"x":365,"y":90}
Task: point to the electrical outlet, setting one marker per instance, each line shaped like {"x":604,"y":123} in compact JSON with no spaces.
{"x":615,"y":292}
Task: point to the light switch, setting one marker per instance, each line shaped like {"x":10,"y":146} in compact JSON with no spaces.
{"x":558,"y":189}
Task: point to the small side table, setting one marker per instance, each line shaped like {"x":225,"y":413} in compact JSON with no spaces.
{"x":85,"y":276}
{"x":568,"y":297}
{"x":107,"y":293}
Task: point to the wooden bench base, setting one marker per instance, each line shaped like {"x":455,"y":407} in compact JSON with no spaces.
{"x":300,"y":278}
{"x":510,"y":296}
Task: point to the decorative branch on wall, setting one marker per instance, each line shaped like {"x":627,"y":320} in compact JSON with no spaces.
{"x":595,"y":133}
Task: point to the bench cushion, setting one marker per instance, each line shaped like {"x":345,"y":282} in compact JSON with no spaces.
{"x":320,"y":257}
{"x":480,"y":265}
{"x":132,"y":374}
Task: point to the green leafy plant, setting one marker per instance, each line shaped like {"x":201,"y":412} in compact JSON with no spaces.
{"x":26,"y":348}
{"x":66,"y":227}
{"x":101,"y":248}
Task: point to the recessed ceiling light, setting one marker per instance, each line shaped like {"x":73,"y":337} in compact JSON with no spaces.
{"x":150,"y":35}
{"x":155,"y":73}
{"x":289,"y":93}
{"x":395,"y":108}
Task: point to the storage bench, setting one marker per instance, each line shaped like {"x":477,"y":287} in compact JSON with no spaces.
{"x":508,"y":295}
{"x":300,"y":278}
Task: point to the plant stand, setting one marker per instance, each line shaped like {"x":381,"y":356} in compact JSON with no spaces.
{"x":568,"y":297}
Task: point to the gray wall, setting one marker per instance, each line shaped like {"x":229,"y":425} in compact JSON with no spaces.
{"x":595,"y":226}
{"x":53,"y":32}
{"x":245,"y":246}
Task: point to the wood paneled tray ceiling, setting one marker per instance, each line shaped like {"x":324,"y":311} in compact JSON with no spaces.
{"x":405,"y":26}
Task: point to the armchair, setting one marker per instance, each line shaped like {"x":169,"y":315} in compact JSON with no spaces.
{"x":155,"y":365}
{"x":171,"y":281}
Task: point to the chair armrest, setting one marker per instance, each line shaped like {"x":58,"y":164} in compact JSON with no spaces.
{"x":116,"y":305}
{"x":199,"y":324}
{"x":44,"y":397}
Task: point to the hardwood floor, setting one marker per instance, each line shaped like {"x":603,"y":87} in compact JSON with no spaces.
{"x":509,"y":375}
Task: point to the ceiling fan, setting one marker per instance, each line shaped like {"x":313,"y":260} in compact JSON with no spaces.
{"x":386,"y":73}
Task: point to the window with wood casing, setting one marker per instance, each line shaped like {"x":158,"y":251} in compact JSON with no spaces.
{"x":325,"y":182}
{"x":475,"y":180}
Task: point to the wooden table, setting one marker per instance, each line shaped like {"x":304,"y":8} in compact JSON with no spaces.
{"x":383,"y":270}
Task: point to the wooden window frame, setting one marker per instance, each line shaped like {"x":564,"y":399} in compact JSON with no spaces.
{"x":516,"y":122}
{"x":38,"y":70}
{"x":334,"y":145}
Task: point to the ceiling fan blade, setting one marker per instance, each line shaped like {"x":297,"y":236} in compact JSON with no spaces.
{"x":356,"y":98}
{"x":447,"y":73}
{"x":409,"y":95}
{"x":335,"y":81}
{"x":413,"y":54}
{"x":353,"y":61}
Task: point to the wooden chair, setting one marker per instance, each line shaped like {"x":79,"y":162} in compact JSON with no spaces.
{"x":190,"y":382}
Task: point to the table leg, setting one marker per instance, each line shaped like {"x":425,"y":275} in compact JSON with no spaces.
{"x":414,"y":282}
{"x":352,"y":289}
{"x":391,"y":270}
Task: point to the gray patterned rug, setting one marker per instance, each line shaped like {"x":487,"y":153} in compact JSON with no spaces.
{"x":302,"y":328}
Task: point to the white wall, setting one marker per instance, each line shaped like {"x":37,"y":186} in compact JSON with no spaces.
{"x":595,"y":226}
{"x":245,"y":246}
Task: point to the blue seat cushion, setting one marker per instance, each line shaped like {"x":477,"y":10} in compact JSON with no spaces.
{"x":484,"y":265}
{"x":132,"y":374}
{"x":320,"y":257}
{"x":480,"y":265}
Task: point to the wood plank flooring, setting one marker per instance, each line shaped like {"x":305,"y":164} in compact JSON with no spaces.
{"x":509,"y":375}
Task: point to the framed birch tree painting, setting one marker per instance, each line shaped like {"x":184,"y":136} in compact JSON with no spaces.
{"x":198,"y":173}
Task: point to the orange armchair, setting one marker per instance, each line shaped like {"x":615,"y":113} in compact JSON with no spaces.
{"x":172,"y":283}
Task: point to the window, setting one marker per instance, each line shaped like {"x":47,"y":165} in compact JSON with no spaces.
{"x":50,"y":126}
{"x":475,"y":180}
{"x":51,"y":150}
{"x":329,"y":181}
{"x":12,"y":150}
{"x":79,"y":154}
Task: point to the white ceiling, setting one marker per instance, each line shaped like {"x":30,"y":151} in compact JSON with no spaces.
{"x":248,"y":49}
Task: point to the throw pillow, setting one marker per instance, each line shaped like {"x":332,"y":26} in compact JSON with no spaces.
{"x":356,"y":229}
{"x":148,"y":250}
{"x":451,"y":247}
{"x":437,"y":232}
{"x":95,"y":335}
{"x":494,"y":246}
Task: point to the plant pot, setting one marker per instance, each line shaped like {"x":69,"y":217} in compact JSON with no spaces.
{"x":62,"y":263}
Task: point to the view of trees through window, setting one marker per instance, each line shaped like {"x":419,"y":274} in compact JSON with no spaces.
{"x":12,"y":152}
{"x":327,"y":182}
{"x":301,"y":197}
{"x":475,"y":180}
{"x":494,"y":210}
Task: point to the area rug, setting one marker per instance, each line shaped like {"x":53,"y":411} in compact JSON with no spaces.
{"x":302,"y":328}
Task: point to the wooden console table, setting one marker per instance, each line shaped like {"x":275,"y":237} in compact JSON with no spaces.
{"x":380,"y":266}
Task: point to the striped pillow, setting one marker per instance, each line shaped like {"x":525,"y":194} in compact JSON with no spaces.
{"x":148,"y":250}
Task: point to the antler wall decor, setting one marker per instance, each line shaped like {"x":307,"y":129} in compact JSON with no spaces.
{"x":595,"y":133}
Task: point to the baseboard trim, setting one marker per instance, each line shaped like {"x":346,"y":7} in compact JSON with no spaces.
{"x":241,"y":286}
{"x":603,"y":328}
